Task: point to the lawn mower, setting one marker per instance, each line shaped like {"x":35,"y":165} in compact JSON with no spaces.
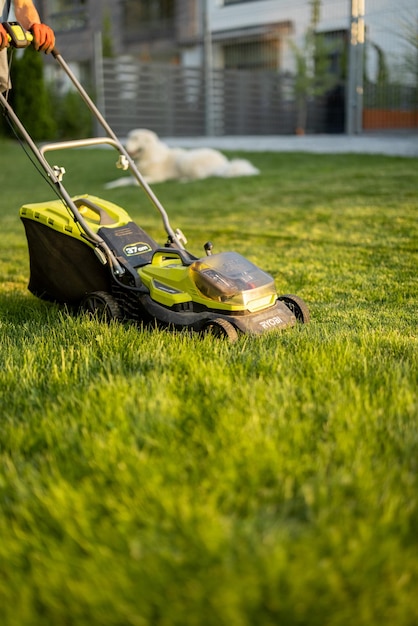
{"x":86,"y":252}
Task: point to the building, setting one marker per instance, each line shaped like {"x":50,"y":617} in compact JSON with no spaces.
{"x":245,"y":35}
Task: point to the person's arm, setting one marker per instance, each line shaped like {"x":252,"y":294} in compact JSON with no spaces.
{"x":28,"y":17}
{"x":26,"y":13}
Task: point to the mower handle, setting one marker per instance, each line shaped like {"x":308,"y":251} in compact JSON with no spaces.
{"x":165,"y":254}
{"x":19,"y":37}
{"x":105,"y":219}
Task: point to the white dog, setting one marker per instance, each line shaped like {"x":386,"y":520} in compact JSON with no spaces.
{"x":158,"y":162}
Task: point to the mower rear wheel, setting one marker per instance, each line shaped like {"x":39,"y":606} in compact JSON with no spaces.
{"x":221,"y":329}
{"x":298,"y":307}
{"x":102,"y":306}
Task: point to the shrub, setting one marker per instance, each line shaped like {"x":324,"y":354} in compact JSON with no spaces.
{"x":30,"y":96}
{"x":72,"y":117}
{"x":45,"y":113}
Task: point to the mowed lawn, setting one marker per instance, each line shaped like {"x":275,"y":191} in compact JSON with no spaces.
{"x":162,"y":479}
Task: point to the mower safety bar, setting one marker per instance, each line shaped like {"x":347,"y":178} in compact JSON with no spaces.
{"x":78,"y":143}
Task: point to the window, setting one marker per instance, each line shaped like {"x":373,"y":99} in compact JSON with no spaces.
{"x":147,"y":19}
{"x":65,"y":15}
{"x":331,"y":52}
{"x":229,"y":2}
{"x":257,"y":54}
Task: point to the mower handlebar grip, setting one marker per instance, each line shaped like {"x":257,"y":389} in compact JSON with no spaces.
{"x":18,"y":37}
{"x":105,"y":219}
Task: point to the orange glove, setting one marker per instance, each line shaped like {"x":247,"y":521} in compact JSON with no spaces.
{"x":43,"y":37}
{"x":4,"y":40}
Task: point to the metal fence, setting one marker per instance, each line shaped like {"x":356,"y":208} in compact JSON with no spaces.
{"x":371,"y":82}
{"x":173,"y":100}
{"x":390,"y":77}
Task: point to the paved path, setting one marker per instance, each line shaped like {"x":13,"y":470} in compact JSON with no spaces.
{"x":394,"y":144}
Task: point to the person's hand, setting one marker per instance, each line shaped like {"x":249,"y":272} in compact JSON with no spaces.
{"x":43,"y":38}
{"x":4,"y":39}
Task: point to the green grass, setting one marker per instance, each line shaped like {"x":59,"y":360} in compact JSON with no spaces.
{"x":150,"y":478}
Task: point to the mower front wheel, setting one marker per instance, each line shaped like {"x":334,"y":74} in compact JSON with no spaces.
{"x":101,"y":306}
{"x":221,"y":329}
{"x":298,"y":307}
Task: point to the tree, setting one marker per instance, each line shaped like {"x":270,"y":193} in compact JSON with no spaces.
{"x":30,"y":97}
{"x":411,"y":55}
{"x":312,"y":75}
{"x":107,"y":39}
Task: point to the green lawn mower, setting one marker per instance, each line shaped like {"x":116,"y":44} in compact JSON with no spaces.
{"x":87,"y":253}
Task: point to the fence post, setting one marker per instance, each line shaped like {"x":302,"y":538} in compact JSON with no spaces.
{"x":98,"y":79}
{"x":354,"y":97}
{"x":208,"y":68}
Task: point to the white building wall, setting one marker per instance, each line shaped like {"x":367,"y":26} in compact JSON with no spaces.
{"x":334,"y":16}
{"x":385,"y":22}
